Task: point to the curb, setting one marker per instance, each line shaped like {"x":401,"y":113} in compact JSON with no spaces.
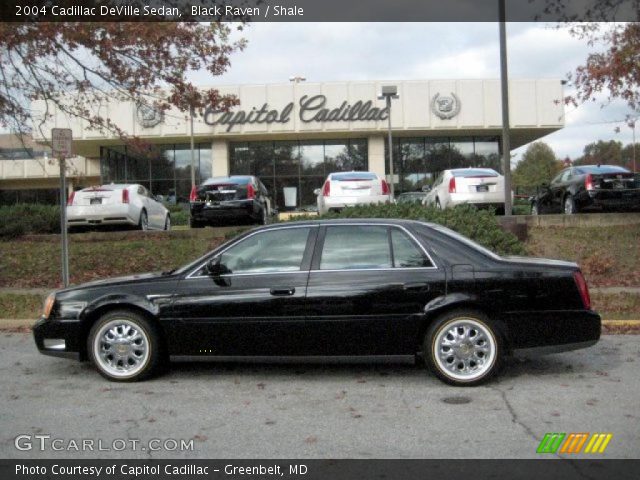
{"x":9,"y":323}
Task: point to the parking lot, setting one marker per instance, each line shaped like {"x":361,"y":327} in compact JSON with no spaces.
{"x":319,"y":411}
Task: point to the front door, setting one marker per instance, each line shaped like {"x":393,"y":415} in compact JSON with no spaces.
{"x":367,"y":290}
{"x":257,"y":307}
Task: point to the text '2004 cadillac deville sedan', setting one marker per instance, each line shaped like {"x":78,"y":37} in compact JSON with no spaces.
{"x":329,"y":288}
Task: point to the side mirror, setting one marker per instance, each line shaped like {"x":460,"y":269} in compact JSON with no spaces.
{"x":214,"y":268}
{"x":317,"y":192}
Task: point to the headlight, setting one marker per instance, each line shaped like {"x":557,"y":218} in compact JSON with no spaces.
{"x":48,"y":305}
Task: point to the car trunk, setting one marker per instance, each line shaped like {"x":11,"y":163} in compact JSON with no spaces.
{"x":479,"y":184}
{"x":614,"y":181}
{"x":355,"y":187}
{"x":97,"y":196}
{"x":221,"y":192}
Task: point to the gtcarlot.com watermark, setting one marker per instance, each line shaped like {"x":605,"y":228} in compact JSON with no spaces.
{"x":49,"y":443}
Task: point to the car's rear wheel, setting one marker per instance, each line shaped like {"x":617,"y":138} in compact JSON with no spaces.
{"x":264,"y":215}
{"x":569,"y":205}
{"x":167,"y":223}
{"x":124,"y":346}
{"x":143,"y":223}
{"x":438,"y":205}
{"x":463,"y":348}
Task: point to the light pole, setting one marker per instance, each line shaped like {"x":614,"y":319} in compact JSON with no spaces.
{"x":633,"y":142}
{"x":388,"y":93}
{"x":297,"y":79}
{"x":193,"y":156}
{"x":504,"y":81}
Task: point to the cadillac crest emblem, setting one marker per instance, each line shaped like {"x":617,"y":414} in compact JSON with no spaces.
{"x":445,"y":107}
{"x":149,"y":116}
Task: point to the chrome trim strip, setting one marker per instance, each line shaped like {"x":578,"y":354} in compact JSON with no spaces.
{"x":280,"y":272}
{"x":54,"y":343}
{"x":329,"y":359}
{"x":549,"y":349}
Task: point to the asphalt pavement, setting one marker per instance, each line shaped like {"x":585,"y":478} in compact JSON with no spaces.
{"x":57,"y":408}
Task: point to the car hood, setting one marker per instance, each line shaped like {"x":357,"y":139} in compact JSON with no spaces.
{"x":543,"y":262}
{"x":136,"y":278}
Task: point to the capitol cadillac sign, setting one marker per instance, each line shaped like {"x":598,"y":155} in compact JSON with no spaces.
{"x":310,"y":109}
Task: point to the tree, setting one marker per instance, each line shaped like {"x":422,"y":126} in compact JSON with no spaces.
{"x":601,"y":152}
{"x":614,"y":70}
{"x":76,"y":67}
{"x":538,"y":165}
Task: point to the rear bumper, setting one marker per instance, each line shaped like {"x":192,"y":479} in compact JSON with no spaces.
{"x":233,"y":209}
{"x":100,"y":215}
{"x":613,"y":199}
{"x":352,"y":201}
{"x":58,"y":338}
{"x":495,"y":199}
{"x":553,"y":331}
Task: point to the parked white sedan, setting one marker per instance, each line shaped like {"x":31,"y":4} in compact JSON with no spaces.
{"x":483,"y":187}
{"x":116,"y":204}
{"x":347,"y":189}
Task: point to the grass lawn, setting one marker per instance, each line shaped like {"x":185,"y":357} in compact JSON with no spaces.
{"x":20,"y":306}
{"x":35,"y":261}
{"x":608,"y":256}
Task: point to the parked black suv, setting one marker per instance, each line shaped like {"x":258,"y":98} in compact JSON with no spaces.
{"x":224,"y":199}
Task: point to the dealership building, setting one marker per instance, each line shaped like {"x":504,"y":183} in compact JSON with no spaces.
{"x":294,"y":134}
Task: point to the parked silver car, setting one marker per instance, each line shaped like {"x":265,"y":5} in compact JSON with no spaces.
{"x":117,"y":204}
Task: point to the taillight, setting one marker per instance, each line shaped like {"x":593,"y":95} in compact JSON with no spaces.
{"x":385,"y":188}
{"x":193,"y":196}
{"x":125,"y":196}
{"x":251,"y":192}
{"x":326,"y":189}
{"x":70,"y":199}
{"x":583,"y":289}
{"x":452,"y":185}
{"x":588,"y":182}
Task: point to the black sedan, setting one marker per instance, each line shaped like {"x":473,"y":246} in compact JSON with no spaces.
{"x":329,"y":288}
{"x":229,"y":199}
{"x":589,"y":187}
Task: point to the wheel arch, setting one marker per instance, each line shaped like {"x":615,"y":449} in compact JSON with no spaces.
{"x":91,"y":314}
{"x":459,"y":301}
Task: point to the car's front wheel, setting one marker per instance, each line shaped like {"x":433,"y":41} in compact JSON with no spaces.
{"x":124,"y":346}
{"x":463,"y":348}
{"x":534,"y":209}
{"x":143,"y":222}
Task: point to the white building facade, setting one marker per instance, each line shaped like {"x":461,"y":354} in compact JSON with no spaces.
{"x":293,"y":135}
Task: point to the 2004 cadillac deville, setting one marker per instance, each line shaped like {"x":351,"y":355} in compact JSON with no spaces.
{"x":328,"y":288}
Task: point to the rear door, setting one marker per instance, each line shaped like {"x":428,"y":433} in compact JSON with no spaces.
{"x":367,"y":290}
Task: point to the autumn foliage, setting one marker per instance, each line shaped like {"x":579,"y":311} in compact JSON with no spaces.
{"x":75,"y":67}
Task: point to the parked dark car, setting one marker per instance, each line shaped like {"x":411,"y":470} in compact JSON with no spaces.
{"x":220,"y":200}
{"x":589,"y":187}
{"x":329,"y":288}
{"x":411,"y":197}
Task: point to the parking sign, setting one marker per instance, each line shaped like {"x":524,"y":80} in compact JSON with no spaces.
{"x":61,"y":139}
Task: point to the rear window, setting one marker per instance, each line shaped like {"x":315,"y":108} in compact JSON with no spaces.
{"x":602,"y":169}
{"x":227,"y":181}
{"x":475,"y":172}
{"x":353,"y":176}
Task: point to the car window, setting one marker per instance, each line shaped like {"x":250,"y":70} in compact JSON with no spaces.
{"x":406,"y":254}
{"x":269,"y":251}
{"x":558,"y":178}
{"x":355,"y":247}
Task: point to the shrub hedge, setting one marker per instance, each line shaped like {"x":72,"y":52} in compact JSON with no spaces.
{"x":27,"y":218}
{"x":479,"y":225}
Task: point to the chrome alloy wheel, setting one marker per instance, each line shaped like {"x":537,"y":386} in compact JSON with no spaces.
{"x":464,"y":349}
{"x":121,"y":348}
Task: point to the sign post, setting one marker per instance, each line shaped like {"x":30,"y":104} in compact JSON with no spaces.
{"x":61,"y":142}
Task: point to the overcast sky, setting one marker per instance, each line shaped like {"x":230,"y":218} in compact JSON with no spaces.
{"x":410,"y":51}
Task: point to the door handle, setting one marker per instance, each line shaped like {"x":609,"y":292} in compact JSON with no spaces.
{"x":416,"y":286}
{"x":282,"y":292}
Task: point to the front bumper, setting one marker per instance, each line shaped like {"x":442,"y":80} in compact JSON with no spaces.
{"x":58,"y":338}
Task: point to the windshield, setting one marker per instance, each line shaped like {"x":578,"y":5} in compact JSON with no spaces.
{"x":353,"y":176}
{"x":602,"y":169}
{"x":474,"y":172}
{"x":465,"y":240}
